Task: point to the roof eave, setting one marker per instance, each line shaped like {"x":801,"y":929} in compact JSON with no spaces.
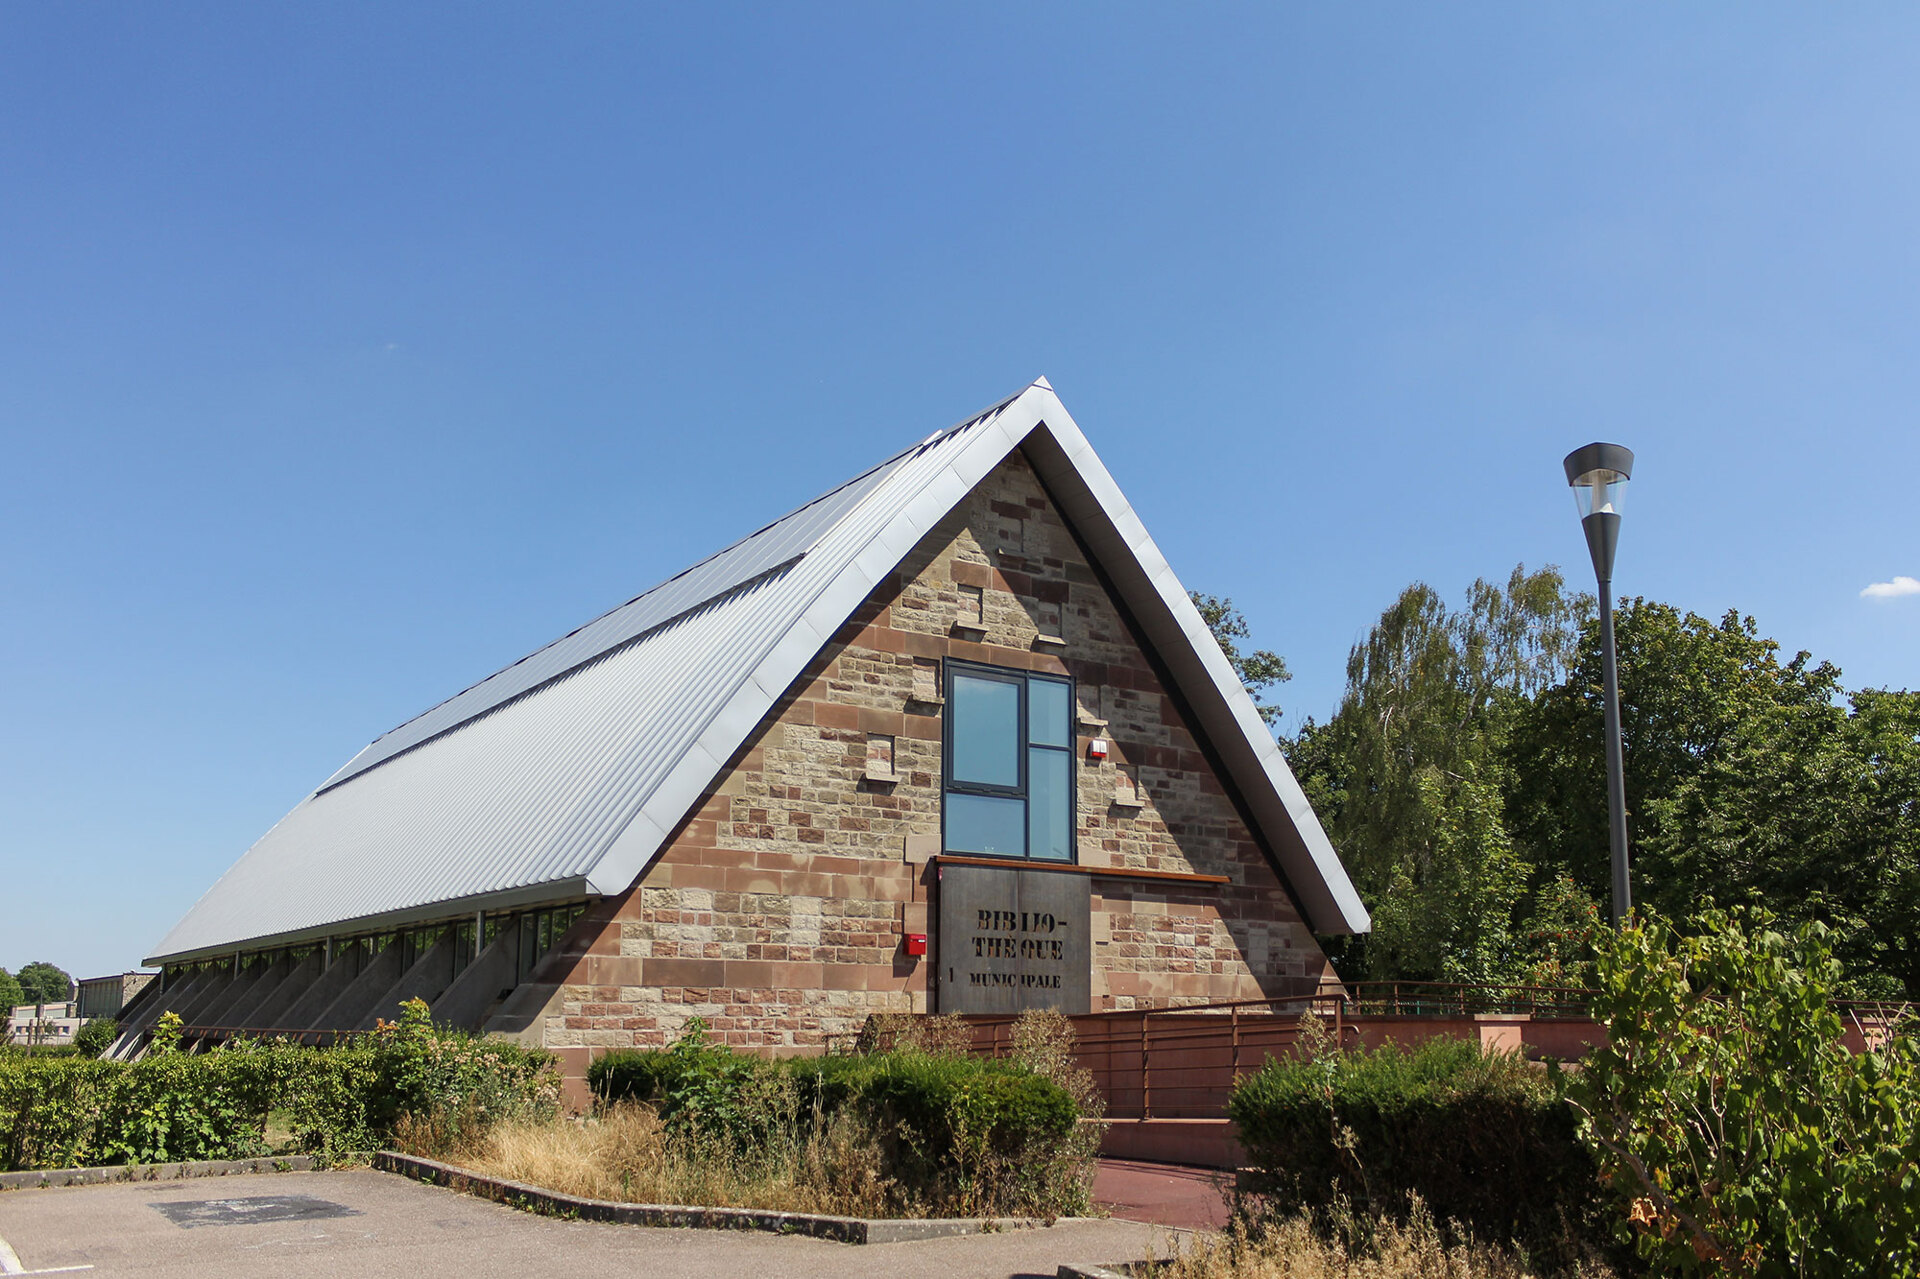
{"x":553,"y":892}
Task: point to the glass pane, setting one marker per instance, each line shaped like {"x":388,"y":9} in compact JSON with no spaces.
{"x":1049,"y":805}
{"x":986,"y":731}
{"x":1047,"y":719}
{"x":1599,"y":492}
{"x":986,"y":824}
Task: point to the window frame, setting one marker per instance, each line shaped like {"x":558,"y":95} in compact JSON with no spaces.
{"x":953,"y":668}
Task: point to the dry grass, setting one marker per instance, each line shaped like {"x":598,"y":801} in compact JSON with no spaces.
{"x":626,"y":1154}
{"x":758,"y":1148}
{"x":1291,"y":1248}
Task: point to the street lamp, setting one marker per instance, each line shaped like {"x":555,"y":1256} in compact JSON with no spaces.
{"x":1599,"y":474}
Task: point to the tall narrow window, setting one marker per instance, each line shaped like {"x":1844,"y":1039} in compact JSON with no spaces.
{"x":1009,"y":790}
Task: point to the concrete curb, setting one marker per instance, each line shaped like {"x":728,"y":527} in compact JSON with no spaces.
{"x":858,"y":1230}
{"x":152,"y":1172}
{"x":1068,"y":1270}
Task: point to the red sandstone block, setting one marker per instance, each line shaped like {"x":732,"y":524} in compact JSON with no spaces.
{"x":694,"y":876}
{"x":891,"y":723}
{"x":967,"y":573}
{"x":686,"y":973}
{"x":798,"y":977}
{"x":748,"y":972}
{"x":698,"y":833}
{"x":612,"y":972}
{"x":843,"y":975}
{"x":828,"y":715}
{"x":919,"y":644}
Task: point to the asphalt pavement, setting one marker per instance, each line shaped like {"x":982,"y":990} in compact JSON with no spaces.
{"x":375,"y":1224}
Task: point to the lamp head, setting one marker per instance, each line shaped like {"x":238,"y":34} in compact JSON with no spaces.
{"x":1598,"y":474}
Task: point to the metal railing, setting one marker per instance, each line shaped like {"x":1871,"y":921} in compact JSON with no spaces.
{"x":1182,"y":1061}
{"x":1465,"y":999}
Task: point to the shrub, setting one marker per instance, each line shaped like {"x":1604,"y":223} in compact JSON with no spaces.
{"x":171,"y":1106}
{"x":1479,"y":1137}
{"x":1734,"y":1130}
{"x":962,"y":1133}
{"x":96,"y":1036}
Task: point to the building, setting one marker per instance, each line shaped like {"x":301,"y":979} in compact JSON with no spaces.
{"x":43,"y":1025}
{"x":950,"y":737}
{"x":106,"y":996}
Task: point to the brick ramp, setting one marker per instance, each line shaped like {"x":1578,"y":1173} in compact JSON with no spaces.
{"x":1163,"y":1194}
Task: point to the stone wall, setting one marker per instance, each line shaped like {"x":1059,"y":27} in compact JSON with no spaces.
{"x":776,"y":913}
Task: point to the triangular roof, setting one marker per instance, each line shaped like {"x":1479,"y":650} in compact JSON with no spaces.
{"x":564,"y":774}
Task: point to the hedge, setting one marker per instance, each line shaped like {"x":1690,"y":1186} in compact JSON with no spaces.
{"x":1483,"y":1138}
{"x":171,"y":1106}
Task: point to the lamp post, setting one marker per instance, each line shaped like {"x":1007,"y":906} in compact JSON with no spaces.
{"x":1599,"y":474}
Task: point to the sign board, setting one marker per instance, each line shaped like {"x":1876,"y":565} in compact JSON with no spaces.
{"x":1014,"y":939}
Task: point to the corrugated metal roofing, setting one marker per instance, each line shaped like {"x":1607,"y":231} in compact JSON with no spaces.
{"x":564,"y":773}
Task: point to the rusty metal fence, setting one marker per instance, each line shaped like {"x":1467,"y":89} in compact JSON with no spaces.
{"x":1182,"y":1062}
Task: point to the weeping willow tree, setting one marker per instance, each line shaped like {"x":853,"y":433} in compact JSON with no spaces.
{"x":1409,"y":776}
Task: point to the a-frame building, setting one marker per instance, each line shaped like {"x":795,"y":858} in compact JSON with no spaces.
{"x":950,"y":737}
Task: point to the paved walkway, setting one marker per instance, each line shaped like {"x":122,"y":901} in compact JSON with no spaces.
{"x":375,"y":1224}
{"x":1164,"y":1194}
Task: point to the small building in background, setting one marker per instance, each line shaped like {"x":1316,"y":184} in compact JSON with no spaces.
{"x":106,"y":996}
{"x":44,"y":1025}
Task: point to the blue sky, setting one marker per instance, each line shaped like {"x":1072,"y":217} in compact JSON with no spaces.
{"x":348,"y":353}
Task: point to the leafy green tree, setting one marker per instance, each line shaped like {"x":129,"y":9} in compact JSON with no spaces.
{"x":10,"y":993}
{"x":1813,"y":810}
{"x":1748,"y":781}
{"x":1463,"y":780}
{"x":1410,"y":780}
{"x":1689,"y":690}
{"x":42,"y":983}
{"x":1260,"y":671}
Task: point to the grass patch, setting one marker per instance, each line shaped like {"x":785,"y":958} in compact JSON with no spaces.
{"x":627,"y":1154}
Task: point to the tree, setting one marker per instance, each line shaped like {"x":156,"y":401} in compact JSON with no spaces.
{"x":1749,"y":780}
{"x":1410,"y":781}
{"x":1690,"y":691}
{"x":42,"y":983}
{"x":1814,"y":811}
{"x":1259,"y":670}
{"x":10,"y":993}
{"x":1463,"y":780}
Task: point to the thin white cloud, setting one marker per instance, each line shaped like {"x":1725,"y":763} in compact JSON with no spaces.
{"x":1887,"y":590}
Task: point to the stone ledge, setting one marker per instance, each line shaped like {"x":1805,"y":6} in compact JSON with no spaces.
{"x":152,"y":1172}
{"x":1071,"y":1270}
{"x":857,"y":1230}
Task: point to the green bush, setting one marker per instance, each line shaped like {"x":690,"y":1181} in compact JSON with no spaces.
{"x":96,"y":1036}
{"x":1736,"y":1132}
{"x":953,"y":1129}
{"x":1480,"y":1137}
{"x":170,"y":1106}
